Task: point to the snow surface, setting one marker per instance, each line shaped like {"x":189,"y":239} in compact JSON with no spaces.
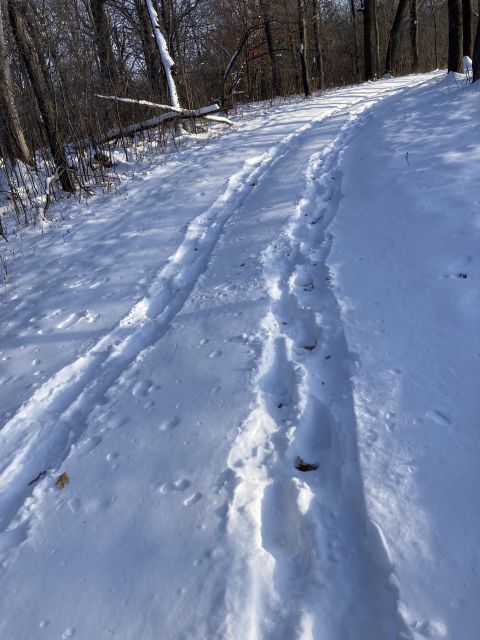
{"x":303,"y":286}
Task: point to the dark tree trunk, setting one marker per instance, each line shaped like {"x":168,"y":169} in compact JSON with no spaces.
{"x":368,"y":40}
{"x":302,"y":28}
{"x":267,"y":25}
{"x":318,"y":45}
{"x":467,"y":27}
{"x":27,"y":42}
{"x":150,"y":51}
{"x":414,"y":34}
{"x":227,"y":102}
{"x":455,"y":36}
{"x":393,"y":38}
{"x":476,"y":51}
{"x":355,"y":41}
{"x":12,"y":139}
{"x":376,"y":39}
{"x":103,"y":43}
{"x":435,"y":32}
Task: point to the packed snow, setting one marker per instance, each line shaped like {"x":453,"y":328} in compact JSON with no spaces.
{"x":239,"y":392}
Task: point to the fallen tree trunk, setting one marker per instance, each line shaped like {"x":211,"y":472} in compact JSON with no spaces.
{"x":174,"y":112}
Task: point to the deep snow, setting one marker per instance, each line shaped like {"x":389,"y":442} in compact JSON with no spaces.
{"x":303,"y":286}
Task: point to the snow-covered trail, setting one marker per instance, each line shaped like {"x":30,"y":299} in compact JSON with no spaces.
{"x":319,"y":563}
{"x":184,"y":516}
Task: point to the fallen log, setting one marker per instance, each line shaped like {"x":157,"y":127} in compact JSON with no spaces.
{"x":172,"y":113}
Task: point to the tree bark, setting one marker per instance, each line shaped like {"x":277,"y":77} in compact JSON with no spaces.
{"x":476,"y":52}
{"x":414,"y":34}
{"x":27,"y":42}
{"x":103,"y":43}
{"x":376,"y":46}
{"x":13,"y":143}
{"x":265,"y":8}
{"x":368,"y":40}
{"x":467,"y":6}
{"x":150,"y":53}
{"x":227,"y":95}
{"x":355,"y":41}
{"x":302,"y":28}
{"x":455,"y":36}
{"x":393,"y":38}
{"x":435,"y":31}
{"x":318,"y":45}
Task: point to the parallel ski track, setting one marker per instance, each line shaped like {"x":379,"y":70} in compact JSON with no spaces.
{"x":41,"y":433}
{"x":304,"y":539}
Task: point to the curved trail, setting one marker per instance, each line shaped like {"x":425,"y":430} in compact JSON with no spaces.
{"x":312,"y":538}
{"x":65,"y":400}
{"x":266,"y":552}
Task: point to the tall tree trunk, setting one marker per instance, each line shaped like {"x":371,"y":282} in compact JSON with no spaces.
{"x":467,"y":27}
{"x":167,"y":62}
{"x":414,"y":34}
{"x":393,"y":38}
{"x":150,"y":53}
{"x":227,"y":94}
{"x":265,"y":8}
{"x":353,"y":11}
{"x":376,"y":46}
{"x":103,"y":43}
{"x":28,"y":45}
{"x":476,"y":51}
{"x":368,"y":40}
{"x":455,"y":36}
{"x":318,"y":45}
{"x":302,"y":28}
{"x":13,"y":140}
{"x":435,"y":31}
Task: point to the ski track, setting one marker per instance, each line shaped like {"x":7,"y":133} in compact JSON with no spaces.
{"x":305,"y":538}
{"x":40,"y":434}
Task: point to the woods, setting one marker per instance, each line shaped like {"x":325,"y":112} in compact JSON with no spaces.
{"x":56,"y":57}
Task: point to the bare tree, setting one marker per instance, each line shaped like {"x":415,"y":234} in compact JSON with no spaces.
{"x":103,"y":43}
{"x":467,"y":6}
{"x":369,"y":17}
{"x":393,"y":39}
{"x":265,"y":8}
{"x":28,"y":44}
{"x":455,"y":36}
{"x":414,"y":34}
{"x":13,"y":141}
{"x":167,"y":61}
{"x":476,"y":51}
{"x":302,"y":28}
{"x":318,"y":44}
{"x":353,"y":13}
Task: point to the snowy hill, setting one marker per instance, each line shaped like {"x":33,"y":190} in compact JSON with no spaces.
{"x":257,"y":365}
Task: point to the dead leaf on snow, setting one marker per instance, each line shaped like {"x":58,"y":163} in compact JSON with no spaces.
{"x":62,"y":480}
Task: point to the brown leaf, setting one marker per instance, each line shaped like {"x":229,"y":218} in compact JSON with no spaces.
{"x":62,"y":480}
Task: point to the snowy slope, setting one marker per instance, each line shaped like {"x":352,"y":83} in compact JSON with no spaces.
{"x":216,"y":319}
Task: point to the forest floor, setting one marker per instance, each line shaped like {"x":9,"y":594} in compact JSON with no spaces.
{"x":303,"y":290}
